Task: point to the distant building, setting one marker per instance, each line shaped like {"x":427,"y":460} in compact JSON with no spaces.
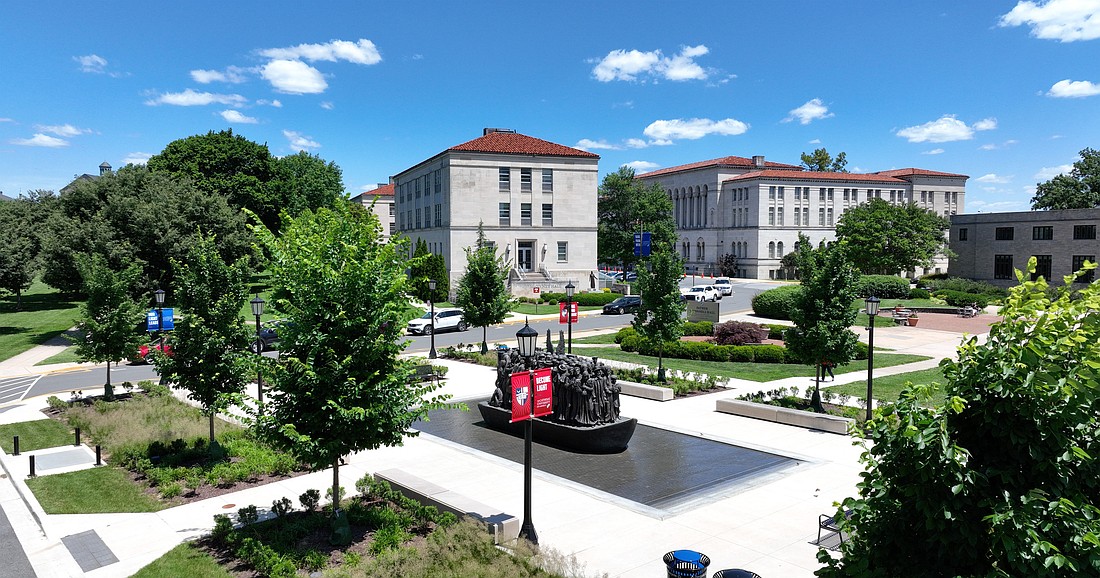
{"x":990,"y":246}
{"x":104,"y":168}
{"x":536,"y":200}
{"x":4,"y":197}
{"x":382,"y":199}
{"x":755,"y":209}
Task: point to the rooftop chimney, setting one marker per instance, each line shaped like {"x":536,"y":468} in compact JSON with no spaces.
{"x":486,"y":131}
{"x":758,"y":161}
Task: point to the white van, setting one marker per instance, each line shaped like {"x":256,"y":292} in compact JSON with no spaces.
{"x":724,"y":285}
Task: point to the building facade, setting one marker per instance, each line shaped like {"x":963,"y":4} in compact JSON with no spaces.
{"x":535,"y":199}
{"x":991,"y":246}
{"x":755,"y":209}
{"x":380,"y":200}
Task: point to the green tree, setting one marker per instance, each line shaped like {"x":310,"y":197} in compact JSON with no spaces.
{"x":437,"y":269}
{"x":340,"y":385}
{"x":887,"y":239}
{"x":659,"y":318}
{"x":209,"y":358}
{"x":1080,"y":189}
{"x":483,"y":291}
{"x":822,"y":161}
{"x":727,"y":265}
{"x":21,"y":225}
{"x":418,"y":272}
{"x":108,"y":315}
{"x":626,"y":206}
{"x":995,"y":474}
{"x":822,"y":311}
{"x":308,"y":182}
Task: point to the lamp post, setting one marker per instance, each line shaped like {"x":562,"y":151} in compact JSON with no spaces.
{"x":158,"y":296}
{"x":258,"y":310}
{"x":528,"y":340}
{"x":872,"y":312}
{"x":431,"y":304}
{"x":569,"y":289}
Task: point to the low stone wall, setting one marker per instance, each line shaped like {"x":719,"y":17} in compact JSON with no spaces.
{"x":504,"y":527}
{"x":783,"y":415}
{"x":646,"y":391}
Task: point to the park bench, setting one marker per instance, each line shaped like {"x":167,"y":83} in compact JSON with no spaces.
{"x":426,"y":372}
{"x":829,"y":523}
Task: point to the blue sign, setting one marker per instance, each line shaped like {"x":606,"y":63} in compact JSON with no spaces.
{"x":641,"y":244}
{"x":152,"y":320}
{"x":169,"y":320}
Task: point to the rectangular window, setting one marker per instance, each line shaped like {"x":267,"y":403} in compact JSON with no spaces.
{"x":771,"y":216}
{"x":401,"y":220}
{"x":417,"y":187}
{"x":1078,"y":262}
{"x":1042,"y":233}
{"x":830,"y":197}
{"x":1084,"y":231}
{"x":418,"y":218}
{"x":1042,"y":267}
{"x":779,"y":193}
{"x":563,"y":250}
{"x":821,"y":195}
{"x":505,"y":179}
{"x":438,"y":181}
{"x":821,"y":217}
{"x":830,"y":220}
{"x":505,"y":214}
{"x":439,"y":215}
{"x":806,"y":216}
{"x":963,"y":234}
{"x":393,"y":229}
{"x":798,"y":217}
{"x":771,"y":193}
{"x":525,"y":179}
{"x":1004,"y":233}
{"x":547,"y":214}
{"x":547,"y":180}
{"x":1002,"y":266}
{"x":392,"y":209}
{"x":779,"y":218}
{"x":525,"y":214}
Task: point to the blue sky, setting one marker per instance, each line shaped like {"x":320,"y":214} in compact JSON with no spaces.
{"x":1007,"y":92}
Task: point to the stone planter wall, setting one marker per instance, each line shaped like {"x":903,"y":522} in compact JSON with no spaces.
{"x":774,"y":413}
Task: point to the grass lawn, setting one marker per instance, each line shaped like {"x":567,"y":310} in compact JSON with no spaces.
{"x":67,"y":356}
{"x":761,"y":372}
{"x":35,"y":435}
{"x":184,"y":560}
{"x":100,"y":490}
{"x":547,"y":308}
{"x":888,"y":388}
{"x":45,"y":314}
{"x":596,"y":339}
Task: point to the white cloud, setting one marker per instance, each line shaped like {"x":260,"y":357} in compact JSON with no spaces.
{"x":634,"y":64}
{"x":588,"y":144}
{"x":641,"y":166}
{"x":974,"y":205}
{"x":1073,"y":89}
{"x":362,"y":52}
{"x":40,"y":140}
{"x":5,"y":119}
{"x":294,"y":77}
{"x":1047,"y":173}
{"x":693,"y":128}
{"x":813,"y":110}
{"x":232,"y":74}
{"x":193,"y":98}
{"x":636,"y":143}
{"x":136,"y":159}
{"x":300,"y":142}
{"x":92,"y":63}
{"x":63,"y":130}
{"x":1062,"y":20}
{"x":327,"y":105}
{"x":994,"y":178}
{"x":231,"y":115}
{"x":816,"y":141}
{"x":274,"y":103}
{"x":933,"y":152}
{"x":947,"y":128}
{"x":989,"y":147}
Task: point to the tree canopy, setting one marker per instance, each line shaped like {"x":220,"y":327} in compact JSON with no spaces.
{"x":884,"y":238}
{"x":822,"y":161}
{"x":627,"y":206}
{"x":482,"y":291}
{"x":998,"y":473}
{"x":109,"y":314}
{"x":1080,"y":189}
{"x":21,"y":234}
{"x":659,"y":317}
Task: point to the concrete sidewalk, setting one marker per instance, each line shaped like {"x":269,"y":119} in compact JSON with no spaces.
{"x":766,"y":525}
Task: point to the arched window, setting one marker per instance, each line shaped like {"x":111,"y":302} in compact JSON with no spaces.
{"x":779,"y":249}
{"x":771,"y":250}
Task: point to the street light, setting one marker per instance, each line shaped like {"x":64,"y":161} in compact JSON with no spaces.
{"x":431,"y":304}
{"x":569,"y":289}
{"x":872,"y":312}
{"x":158,"y":295}
{"x":528,"y":341}
{"x":258,"y":310}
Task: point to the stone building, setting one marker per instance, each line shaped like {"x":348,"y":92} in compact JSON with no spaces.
{"x":381,"y":198}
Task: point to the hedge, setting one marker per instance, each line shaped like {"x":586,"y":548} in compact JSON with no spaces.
{"x":960,"y":299}
{"x":916,"y":293}
{"x":699,"y":328}
{"x":776,"y":303}
{"x":883,"y":286}
{"x":595,"y":299}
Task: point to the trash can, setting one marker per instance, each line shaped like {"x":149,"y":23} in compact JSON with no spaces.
{"x":735,"y":573}
{"x":686,"y":564}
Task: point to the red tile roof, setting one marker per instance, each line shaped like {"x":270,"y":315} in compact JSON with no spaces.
{"x":519,"y":144}
{"x":382,"y":191}
{"x":816,"y":176}
{"x":918,"y":172}
{"x":740,"y":162}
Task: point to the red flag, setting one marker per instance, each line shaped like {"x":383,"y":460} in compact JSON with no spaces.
{"x":562,"y":318}
{"x":521,"y":396}
{"x":544,"y":393}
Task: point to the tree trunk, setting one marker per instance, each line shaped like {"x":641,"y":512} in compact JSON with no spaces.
{"x":484,"y":345}
{"x":335,"y":486}
{"x":211,"y":429}
{"x":815,"y":401}
{"x":18,"y":300}
{"x":661,"y":364}
{"x":108,"y":390}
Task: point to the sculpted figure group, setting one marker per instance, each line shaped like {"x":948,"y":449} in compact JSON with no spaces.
{"x":585,"y":391}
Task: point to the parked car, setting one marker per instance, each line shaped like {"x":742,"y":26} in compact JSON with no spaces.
{"x":624,"y":304}
{"x":268,"y":338}
{"x":630,"y":277}
{"x":141,"y":356}
{"x":724,"y":285}
{"x":717,"y":292}
{"x":699,"y":293}
{"x":445,"y":320}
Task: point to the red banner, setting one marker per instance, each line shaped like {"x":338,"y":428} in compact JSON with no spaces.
{"x":572,"y":312}
{"x":521,"y":396}
{"x":544,"y":393}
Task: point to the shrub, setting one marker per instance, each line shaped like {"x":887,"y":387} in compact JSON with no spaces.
{"x":155,"y":389}
{"x":968,"y":286}
{"x":314,"y":561}
{"x":596,"y":299}
{"x":768,"y":353}
{"x":883,"y":286}
{"x":739,"y":333}
{"x":775,"y":331}
{"x":698,"y":328}
{"x":960,"y":299}
{"x":248,"y":515}
{"x":861,"y":350}
{"x":624,"y":333}
{"x":223,"y":526}
{"x":309,"y":499}
{"x":631,"y":343}
{"x":776,"y":303}
{"x":56,"y":402}
{"x":282,"y":507}
{"x":740,"y":353}
{"x":387,"y":538}
{"x":171,"y":490}
{"x":917,"y":293}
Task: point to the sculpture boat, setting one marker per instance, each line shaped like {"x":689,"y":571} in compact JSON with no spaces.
{"x":608,"y":438}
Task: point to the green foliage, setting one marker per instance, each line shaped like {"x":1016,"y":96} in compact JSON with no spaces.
{"x":594,"y":299}
{"x":960,"y":299}
{"x":963,"y":285}
{"x":108,"y":315}
{"x":659,"y":318}
{"x":917,"y":293}
{"x":883,"y":286}
{"x":1001,"y":478}
{"x":885,"y":238}
{"x":822,"y":311}
{"x":822,"y":161}
{"x":699,"y":328}
{"x":739,"y":333}
{"x":1080,"y":189}
{"x":624,"y":333}
{"x":418,"y":272}
{"x":727,"y":265}
{"x":482,"y":292}
{"x":776,"y":303}
{"x":21,"y":236}
{"x":626,"y":206}
{"x":306,"y":182}
{"x":223,"y":526}
{"x":437,"y":269}
{"x":310,"y":499}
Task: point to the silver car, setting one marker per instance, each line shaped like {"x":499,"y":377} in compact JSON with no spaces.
{"x":445,"y":320}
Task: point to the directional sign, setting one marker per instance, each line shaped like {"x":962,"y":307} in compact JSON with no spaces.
{"x":641,"y":244}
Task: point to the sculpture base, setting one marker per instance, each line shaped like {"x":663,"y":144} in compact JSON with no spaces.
{"x":609,"y":438}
